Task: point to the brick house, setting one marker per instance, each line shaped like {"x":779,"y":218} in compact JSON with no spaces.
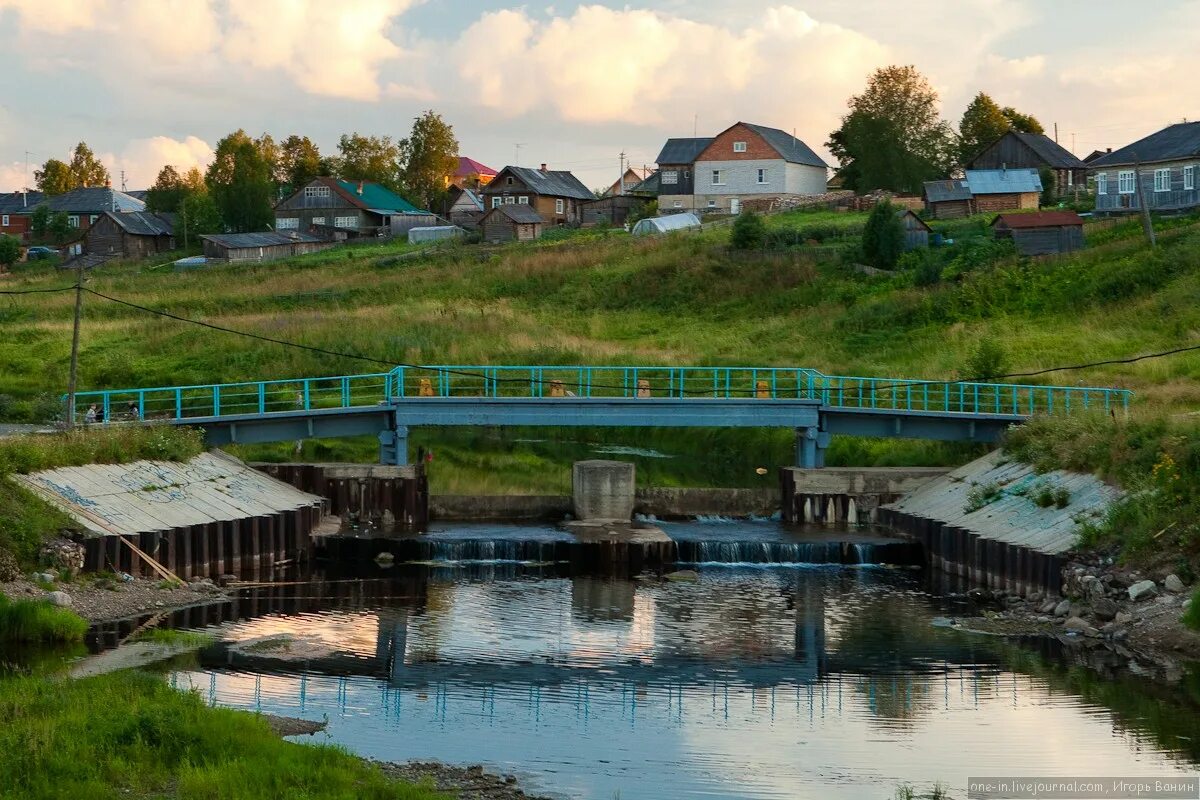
{"x":1170,"y":172}
{"x":360,"y":208}
{"x":556,"y":195}
{"x":15,"y":211}
{"x":747,"y":161}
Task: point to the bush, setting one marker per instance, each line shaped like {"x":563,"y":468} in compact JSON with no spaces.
{"x":749,"y":231}
{"x":1191,"y":617}
{"x":980,"y":495}
{"x":10,"y":250}
{"x":34,"y":621}
{"x":986,"y":362}
{"x":924,"y":265}
{"x":883,"y":236}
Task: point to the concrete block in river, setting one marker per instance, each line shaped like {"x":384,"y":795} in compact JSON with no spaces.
{"x":603,"y":489}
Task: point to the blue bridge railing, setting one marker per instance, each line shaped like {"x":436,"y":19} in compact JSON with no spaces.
{"x":750,"y":383}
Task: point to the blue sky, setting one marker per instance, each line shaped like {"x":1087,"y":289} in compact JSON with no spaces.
{"x":150,"y":82}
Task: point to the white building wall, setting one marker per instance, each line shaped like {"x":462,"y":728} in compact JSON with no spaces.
{"x":739,"y":179}
{"x":804,"y":179}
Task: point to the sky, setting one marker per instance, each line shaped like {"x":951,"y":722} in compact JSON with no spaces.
{"x":573,"y":85}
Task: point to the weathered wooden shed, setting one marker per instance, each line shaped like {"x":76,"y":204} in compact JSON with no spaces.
{"x":916,"y":231}
{"x":511,"y":222}
{"x":948,"y":199}
{"x":130,"y":234}
{"x":612,"y":210}
{"x":1041,"y":233}
{"x":266,"y":246}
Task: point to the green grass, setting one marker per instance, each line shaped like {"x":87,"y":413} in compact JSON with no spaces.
{"x":130,"y":735}
{"x":171,"y":636}
{"x":38,"y":622}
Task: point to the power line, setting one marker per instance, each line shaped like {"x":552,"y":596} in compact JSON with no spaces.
{"x":38,"y":291}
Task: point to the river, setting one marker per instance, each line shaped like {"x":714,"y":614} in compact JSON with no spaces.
{"x":754,"y":679}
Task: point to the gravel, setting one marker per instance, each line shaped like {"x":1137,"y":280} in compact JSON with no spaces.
{"x":100,"y":601}
{"x":467,"y":783}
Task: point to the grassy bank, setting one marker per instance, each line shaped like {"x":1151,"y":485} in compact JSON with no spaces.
{"x":38,"y":622}
{"x":129,"y":735}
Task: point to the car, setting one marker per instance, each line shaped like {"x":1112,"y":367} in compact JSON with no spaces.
{"x":39,"y":251}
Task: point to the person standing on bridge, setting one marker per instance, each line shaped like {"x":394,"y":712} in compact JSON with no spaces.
{"x":132,"y":412}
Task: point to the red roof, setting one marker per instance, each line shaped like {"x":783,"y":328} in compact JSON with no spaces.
{"x":469,"y":166}
{"x":1040,"y":219}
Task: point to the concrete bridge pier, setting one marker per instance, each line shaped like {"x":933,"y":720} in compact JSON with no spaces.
{"x":393,"y":446}
{"x":811,"y":443}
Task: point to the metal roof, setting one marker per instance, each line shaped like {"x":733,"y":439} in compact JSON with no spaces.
{"x":377,"y":198}
{"x":469,"y":166}
{"x":516,"y":212}
{"x":682,"y":151}
{"x":1050,"y":151}
{"x":264,"y":239}
{"x":1039,"y":219}
{"x":142,"y":223}
{"x":1178,"y":141}
{"x":93,"y":200}
{"x":946,"y":191}
{"x":18,"y":202}
{"x":147,"y":496}
{"x":790,"y":148}
{"x":551,"y":183}
{"x":1003,"y":181}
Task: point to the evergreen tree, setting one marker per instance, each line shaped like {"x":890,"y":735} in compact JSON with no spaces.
{"x":241,"y":185}
{"x":748,"y":231}
{"x":883,"y":236}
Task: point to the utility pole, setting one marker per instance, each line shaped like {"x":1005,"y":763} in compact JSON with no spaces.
{"x":122,"y":180}
{"x":622,"y":172}
{"x":1056,"y":133}
{"x":74,"y":373}
{"x":1147,"y":223}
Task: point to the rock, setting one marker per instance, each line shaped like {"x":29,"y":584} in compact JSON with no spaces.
{"x":683,"y":575}
{"x":1063,"y":608}
{"x":1048,"y":606}
{"x":1142,"y":589}
{"x":385,"y":558}
{"x":1013,"y":601}
{"x":9,"y":569}
{"x":227,"y":579}
{"x":1033,"y":597}
{"x":44,"y":577}
{"x":1104,"y":609}
{"x":1123,"y":618}
{"x":1077,"y":625}
{"x":1173,"y":584}
{"x":1043,"y":619}
{"x":62,"y":555}
{"x":60,"y":599}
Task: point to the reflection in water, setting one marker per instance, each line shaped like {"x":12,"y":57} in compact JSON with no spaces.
{"x":755,"y":683}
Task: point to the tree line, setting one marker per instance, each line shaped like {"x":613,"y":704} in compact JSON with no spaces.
{"x":893,"y":137}
{"x":249,"y":175}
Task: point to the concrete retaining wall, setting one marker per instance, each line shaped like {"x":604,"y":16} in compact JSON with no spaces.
{"x":847,"y":494}
{"x":661,"y":502}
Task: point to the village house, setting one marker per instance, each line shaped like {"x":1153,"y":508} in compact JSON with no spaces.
{"x":676,"y":174}
{"x":85,"y":205}
{"x":510,"y":222}
{"x":556,"y":195}
{"x":133,"y":234}
{"x":633,"y":177}
{"x":470,"y":174}
{"x":1170,"y":170}
{"x":268,"y":246}
{"x":1041,"y":233}
{"x":15,"y":211}
{"x":357,"y":208}
{"x":1034,"y":151}
{"x":466,"y":207}
{"x":747,"y":161}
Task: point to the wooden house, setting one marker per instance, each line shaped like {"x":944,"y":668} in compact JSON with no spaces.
{"x":466,"y":208}
{"x":262,"y":246}
{"x":1041,"y":233}
{"x":916,"y":231}
{"x":950,"y":199}
{"x":1016,"y":150}
{"x":360,"y":208}
{"x":676,"y":174}
{"x":509,"y":222}
{"x":85,"y":205}
{"x":1169,"y":166}
{"x":133,"y":234}
{"x":633,"y":177}
{"x":556,"y":195}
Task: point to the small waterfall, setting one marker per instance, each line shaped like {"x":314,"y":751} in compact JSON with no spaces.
{"x":790,"y":553}
{"x":485,"y":550}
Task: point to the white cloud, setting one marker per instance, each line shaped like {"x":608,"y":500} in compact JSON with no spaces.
{"x":141,"y":159}
{"x":56,"y":16}
{"x":12,"y":176}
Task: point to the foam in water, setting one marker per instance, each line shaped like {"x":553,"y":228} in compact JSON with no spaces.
{"x":720,"y":552}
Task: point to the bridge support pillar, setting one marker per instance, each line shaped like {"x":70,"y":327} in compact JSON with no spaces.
{"x":811,"y":443}
{"x":393,"y":446}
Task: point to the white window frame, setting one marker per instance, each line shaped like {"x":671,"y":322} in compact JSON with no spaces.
{"x":316,"y":191}
{"x":497,"y":201}
{"x":677,"y":204}
{"x":717,"y":178}
{"x":509,"y":200}
{"x":1162,"y":180}
{"x":92,"y":218}
{"x":523,"y":200}
{"x":345,"y":222}
{"x":1189,"y":178}
{"x":73,"y":221}
{"x":1126,"y":181}
{"x":559,"y":206}
{"x":318,"y":221}
{"x":739,"y":147}
{"x":762,"y":176}
{"x":1101,"y":183}
{"x":287,"y":223}
{"x":712,"y":203}
{"x":670,"y":176}
{"x":4,"y":220}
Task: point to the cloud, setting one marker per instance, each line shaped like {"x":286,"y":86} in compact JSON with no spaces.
{"x":142,"y":159}
{"x":642,"y":67}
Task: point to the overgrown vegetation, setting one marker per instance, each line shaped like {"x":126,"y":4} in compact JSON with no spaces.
{"x":130,"y":735}
{"x":38,"y":622}
{"x":982,"y":494}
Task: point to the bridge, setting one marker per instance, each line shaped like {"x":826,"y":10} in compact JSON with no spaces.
{"x":388,"y":404}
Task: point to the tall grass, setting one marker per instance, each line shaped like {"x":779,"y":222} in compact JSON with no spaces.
{"x":37,"y":621}
{"x":129,"y":734}
{"x":98,"y":444}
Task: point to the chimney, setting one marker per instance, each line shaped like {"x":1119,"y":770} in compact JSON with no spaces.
{"x":544,"y":168}
{"x":360,"y":188}
{"x":107,"y":183}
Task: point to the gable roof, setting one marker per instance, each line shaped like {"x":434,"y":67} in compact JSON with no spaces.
{"x":1039,"y":219}
{"x":908,"y":212}
{"x":262,"y":239}
{"x":469,"y":166}
{"x":16,"y":202}
{"x":141,"y":223}
{"x":947,"y":191}
{"x":1181,"y":140}
{"x":376,"y":197}
{"x":682,"y":151}
{"x":93,"y":200}
{"x":790,"y":148}
{"x":1003,"y":181}
{"x":552,"y":182}
{"x":1055,"y":155}
{"x":472,"y":198}
{"x":516,"y":212}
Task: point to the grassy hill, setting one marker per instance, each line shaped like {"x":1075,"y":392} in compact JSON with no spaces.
{"x":599,"y":297}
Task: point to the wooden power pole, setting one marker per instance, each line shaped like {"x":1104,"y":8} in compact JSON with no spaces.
{"x":74,"y":371}
{"x":1147,"y":223}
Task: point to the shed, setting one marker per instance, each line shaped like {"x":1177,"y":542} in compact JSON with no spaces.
{"x":666,"y":224}
{"x":613,"y":209}
{"x":916,"y":231}
{"x":130,"y":234}
{"x":434,"y":233}
{"x":1041,"y":233}
{"x":1005,"y":189}
{"x":266,"y":246}
{"x":948,"y":199}
{"x":511,"y":222}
